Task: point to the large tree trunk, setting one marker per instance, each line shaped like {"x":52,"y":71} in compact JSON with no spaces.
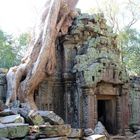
{"x":41,"y":61}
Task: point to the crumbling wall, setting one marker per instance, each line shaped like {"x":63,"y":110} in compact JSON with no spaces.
{"x":86,"y":58}
{"x":88,"y":70}
{"x":135,"y":100}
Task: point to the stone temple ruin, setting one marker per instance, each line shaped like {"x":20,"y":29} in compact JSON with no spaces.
{"x":90,"y":83}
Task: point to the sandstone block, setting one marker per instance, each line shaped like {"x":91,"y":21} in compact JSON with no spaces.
{"x":95,"y":137}
{"x":32,"y":116}
{"x":74,"y":139}
{"x":17,"y":130}
{"x":88,"y":132}
{"x":51,"y":117}
{"x":55,"y":130}
{"x":3,"y":138}
{"x":3,"y":131}
{"x":56,"y":138}
{"x":75,"y":133}
{"x":6,"y":112}
{"x":12,"y":119}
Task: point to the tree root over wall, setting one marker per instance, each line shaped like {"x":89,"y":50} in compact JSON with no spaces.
{"x":22,"y":80}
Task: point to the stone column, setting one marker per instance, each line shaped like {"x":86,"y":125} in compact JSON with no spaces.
{"x":119,"y":115}
{"x":89,"y":108}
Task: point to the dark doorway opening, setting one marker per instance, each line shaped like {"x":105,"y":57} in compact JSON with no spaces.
{"x":107,"y":114}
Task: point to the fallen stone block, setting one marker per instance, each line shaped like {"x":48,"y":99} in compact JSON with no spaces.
{"x":73,"y":138}
{"x":31,"y":116}
{"x":55,"y":130}
{"x":95,"y":137}
{"x":100,"y":130}
{"x":3,"y":131}
{"x":118,"y":137}
{"x":75,"y":133}
{"x":17,"y":130}
{"x":51,"y":117}
{"x":3,"y":138}
{"x":12,"y":119}
{"x":6,"y":112}
{"x":88,"y":132}
{"x":56,"y":138}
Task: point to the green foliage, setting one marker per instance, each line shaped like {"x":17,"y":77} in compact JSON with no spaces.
{"x":130,"y":45}
{"x":7,"y":52}
{"x":11,"y":49}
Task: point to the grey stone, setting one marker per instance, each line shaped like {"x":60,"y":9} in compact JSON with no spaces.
{"x":3,"y":131}
{"x":56,"y":138}
{"x":88,"y":132}
{"x":6,"y":112}
{"x":75,"y":133}
{"x":51,"y":117}
{"x":55,"y":130}
{"x":31,"y":116}
{"x":17,"y":130}
{"x":12,"y":119}
{"x":3,"y":138}
{"x":95,"y":137}
{"x":100,"y":129}
{"x":73,"y":138}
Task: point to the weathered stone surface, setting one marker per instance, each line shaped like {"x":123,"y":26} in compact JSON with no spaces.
{"x":100,"y":130}
{"x":56,"y":138}
{"x":95,"y":137}
{"x":73,"y":138}
{"x":35,"y":118}
{"x":134,"y":98}
{"x":86,"y":56}
{"x":31,"y":116}
{"x":51,"y":117}
{"x":3,"y":131}
{"x":13,"y":130}
{"x":6,"y":112}
{"x":88,"y":132}
{"x":2,"y":105}
{"x":75,"y":133}
{"x":2,"y":138}
{"x":55,"y":130}
{"x":12,"y":119}
{"x":17,"y":130}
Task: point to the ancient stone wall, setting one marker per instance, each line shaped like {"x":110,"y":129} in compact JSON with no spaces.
{"x":89,"y":74}
{"x":135,"y":101}
{"x":2,"y":86}
{"x":90,"y":84}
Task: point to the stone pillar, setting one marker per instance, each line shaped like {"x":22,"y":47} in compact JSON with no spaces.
{"x":2,"y":87}
{"x":89,"y":108}
{"x":119,"y":115}
{"x":125,"y":113}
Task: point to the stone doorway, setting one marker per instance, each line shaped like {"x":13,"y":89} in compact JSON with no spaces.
{"x":106,"y":110}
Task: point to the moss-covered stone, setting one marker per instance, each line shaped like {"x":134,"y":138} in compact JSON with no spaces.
{"x":55,"y":130}
{"x":17,"y":130}
{"x":3,"y":131}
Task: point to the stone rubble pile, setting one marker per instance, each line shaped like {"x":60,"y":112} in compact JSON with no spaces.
{"x":28,"y":124}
